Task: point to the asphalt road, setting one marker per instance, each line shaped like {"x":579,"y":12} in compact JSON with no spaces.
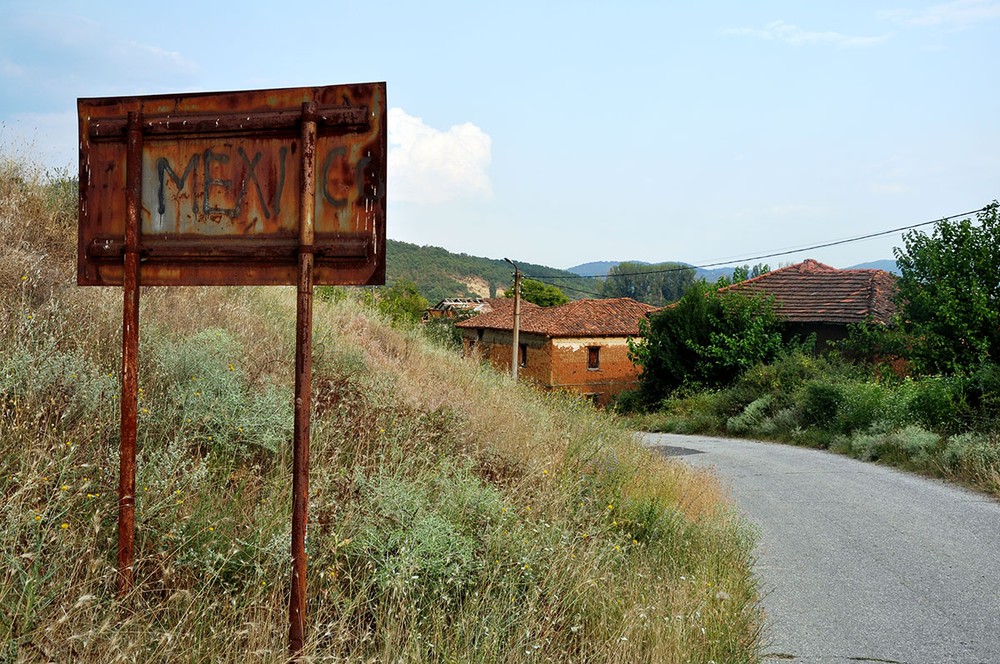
{"x":858,"y":562}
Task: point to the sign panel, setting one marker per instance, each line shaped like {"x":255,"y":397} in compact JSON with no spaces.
{"x":221,"y":187}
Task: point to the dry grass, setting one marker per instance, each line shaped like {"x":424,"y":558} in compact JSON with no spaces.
{"x":454,"y":516}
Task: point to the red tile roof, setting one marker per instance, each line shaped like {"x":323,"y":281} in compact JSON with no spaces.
{"x":811,"y":292}
{"x":617,"y":317}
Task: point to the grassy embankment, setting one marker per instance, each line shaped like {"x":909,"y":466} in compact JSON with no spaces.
{"x":938,"y":426}
{"x":453,"y":516}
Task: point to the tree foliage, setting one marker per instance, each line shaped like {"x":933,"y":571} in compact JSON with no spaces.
{"x":706,"y":340}
{"x":657,"y":284}
{"x":402,"y":302}
{"x":949,"y":293}
{"x":542,"y":294}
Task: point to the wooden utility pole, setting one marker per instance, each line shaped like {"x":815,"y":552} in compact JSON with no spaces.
{"x":517,"y":320}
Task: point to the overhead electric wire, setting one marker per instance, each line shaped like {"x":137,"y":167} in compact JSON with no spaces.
{"x":762,"y":256}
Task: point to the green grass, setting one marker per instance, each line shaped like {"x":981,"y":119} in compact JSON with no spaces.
{"x":454,"y":516}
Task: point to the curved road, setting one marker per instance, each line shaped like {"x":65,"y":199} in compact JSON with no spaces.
{"x":858,"y":562}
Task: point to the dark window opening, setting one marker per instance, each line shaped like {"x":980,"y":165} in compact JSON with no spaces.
{"x":594,"y":358}
{"x":522,"y":355}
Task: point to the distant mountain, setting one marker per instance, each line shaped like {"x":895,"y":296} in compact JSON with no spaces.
{"x":440,"y":274}
{"x":601,"y":268}
{"x":597,"y":268}
{"x":887,"y":265}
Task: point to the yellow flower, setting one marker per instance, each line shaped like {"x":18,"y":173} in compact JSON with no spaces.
{"x":64,"y":525}
{"x":231,"y":367}
{"x":24,"y":277}
{"x":38,"y":517}
{"x":64,"y":487}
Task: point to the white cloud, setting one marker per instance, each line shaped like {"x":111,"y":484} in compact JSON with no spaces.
{"x":427,"y":165}
{"x":796,"y":36}
{"x":958,"y":13}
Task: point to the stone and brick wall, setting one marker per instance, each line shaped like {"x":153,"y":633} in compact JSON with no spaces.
{"x":562,"y":363}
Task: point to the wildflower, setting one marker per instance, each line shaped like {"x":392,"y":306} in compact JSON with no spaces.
{"x":231,"y":367}
{"x":545,"y":472}
{"x":64,"y":487}
{"x":64,"y":525}
{"x":38,"y":517}
{"x":24,"y":277}
{"x":610,"y":507}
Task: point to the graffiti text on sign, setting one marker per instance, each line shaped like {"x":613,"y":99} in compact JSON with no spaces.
{"x":243,"y":185}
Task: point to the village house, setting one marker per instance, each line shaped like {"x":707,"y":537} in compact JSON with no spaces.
{"x":457,"y":307}
{"x":580,"y":346}
{"x":816,"y":298}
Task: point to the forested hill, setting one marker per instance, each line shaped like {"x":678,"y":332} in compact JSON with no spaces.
{"x":440,"y":273}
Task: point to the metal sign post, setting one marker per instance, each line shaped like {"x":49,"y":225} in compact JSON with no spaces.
{"x":260,"y":187}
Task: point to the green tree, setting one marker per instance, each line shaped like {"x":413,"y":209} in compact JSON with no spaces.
{"x":658,"y":284}
{"x":537,"y":292}
{"x":402,"y":302}
{"x":706,"y":340}
{"x":949,"y":293}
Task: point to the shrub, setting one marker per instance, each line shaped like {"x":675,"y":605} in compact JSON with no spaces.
{"x":862,"y":405}
{"x":936,"y":402}
{"x":820,"y":403}
{"x":912,"y":446}
{"x":752,"y":417}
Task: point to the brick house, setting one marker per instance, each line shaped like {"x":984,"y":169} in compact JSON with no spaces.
{"x":816,"y":298}
{"x":457,"y":307}
{"x":580,"y":346}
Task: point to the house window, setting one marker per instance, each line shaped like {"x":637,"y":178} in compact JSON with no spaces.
{"x":522,"y":355}
{"x":593,"y":358}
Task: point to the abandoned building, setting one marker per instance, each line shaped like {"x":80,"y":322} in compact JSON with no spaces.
{"x":457,"y":307}
{"x":580,"y":346}
{"x":816,"y":298}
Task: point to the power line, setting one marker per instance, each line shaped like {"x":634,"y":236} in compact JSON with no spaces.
{"x":770,"y":255}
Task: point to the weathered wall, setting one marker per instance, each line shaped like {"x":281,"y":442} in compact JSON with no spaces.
{"x":561,"y":363}
{"x":615,"y":373}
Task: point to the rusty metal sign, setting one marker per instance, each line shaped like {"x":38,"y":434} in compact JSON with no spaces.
{"x":263,"y":187}
{"x":221,"y":181}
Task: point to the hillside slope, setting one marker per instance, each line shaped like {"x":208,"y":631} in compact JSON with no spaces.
{"x":440,"y":273}
{"x":454,"y":516}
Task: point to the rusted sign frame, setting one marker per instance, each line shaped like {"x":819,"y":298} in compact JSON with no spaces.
{"x":220,"y":183}
{"x":350,"y":257}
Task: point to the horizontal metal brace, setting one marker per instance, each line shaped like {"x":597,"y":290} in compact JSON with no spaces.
{"x":333,"y":119}
{"x":239,"y":250}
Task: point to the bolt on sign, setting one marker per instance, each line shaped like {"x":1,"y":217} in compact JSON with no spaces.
{"x":261,"y":187}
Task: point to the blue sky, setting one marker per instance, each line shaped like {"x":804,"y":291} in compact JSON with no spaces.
{"x":566,"y":132}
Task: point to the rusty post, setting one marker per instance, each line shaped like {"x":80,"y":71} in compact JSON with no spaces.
{"x":514,"y":342}
{"x":130,"y":359}
{"x":303,"y":382}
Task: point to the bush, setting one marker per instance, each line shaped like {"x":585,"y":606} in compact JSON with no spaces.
{"x":862,"y":405}
{"x":910,"y":446}
{"x":752,"y":417}
{"x":820,"y":403}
